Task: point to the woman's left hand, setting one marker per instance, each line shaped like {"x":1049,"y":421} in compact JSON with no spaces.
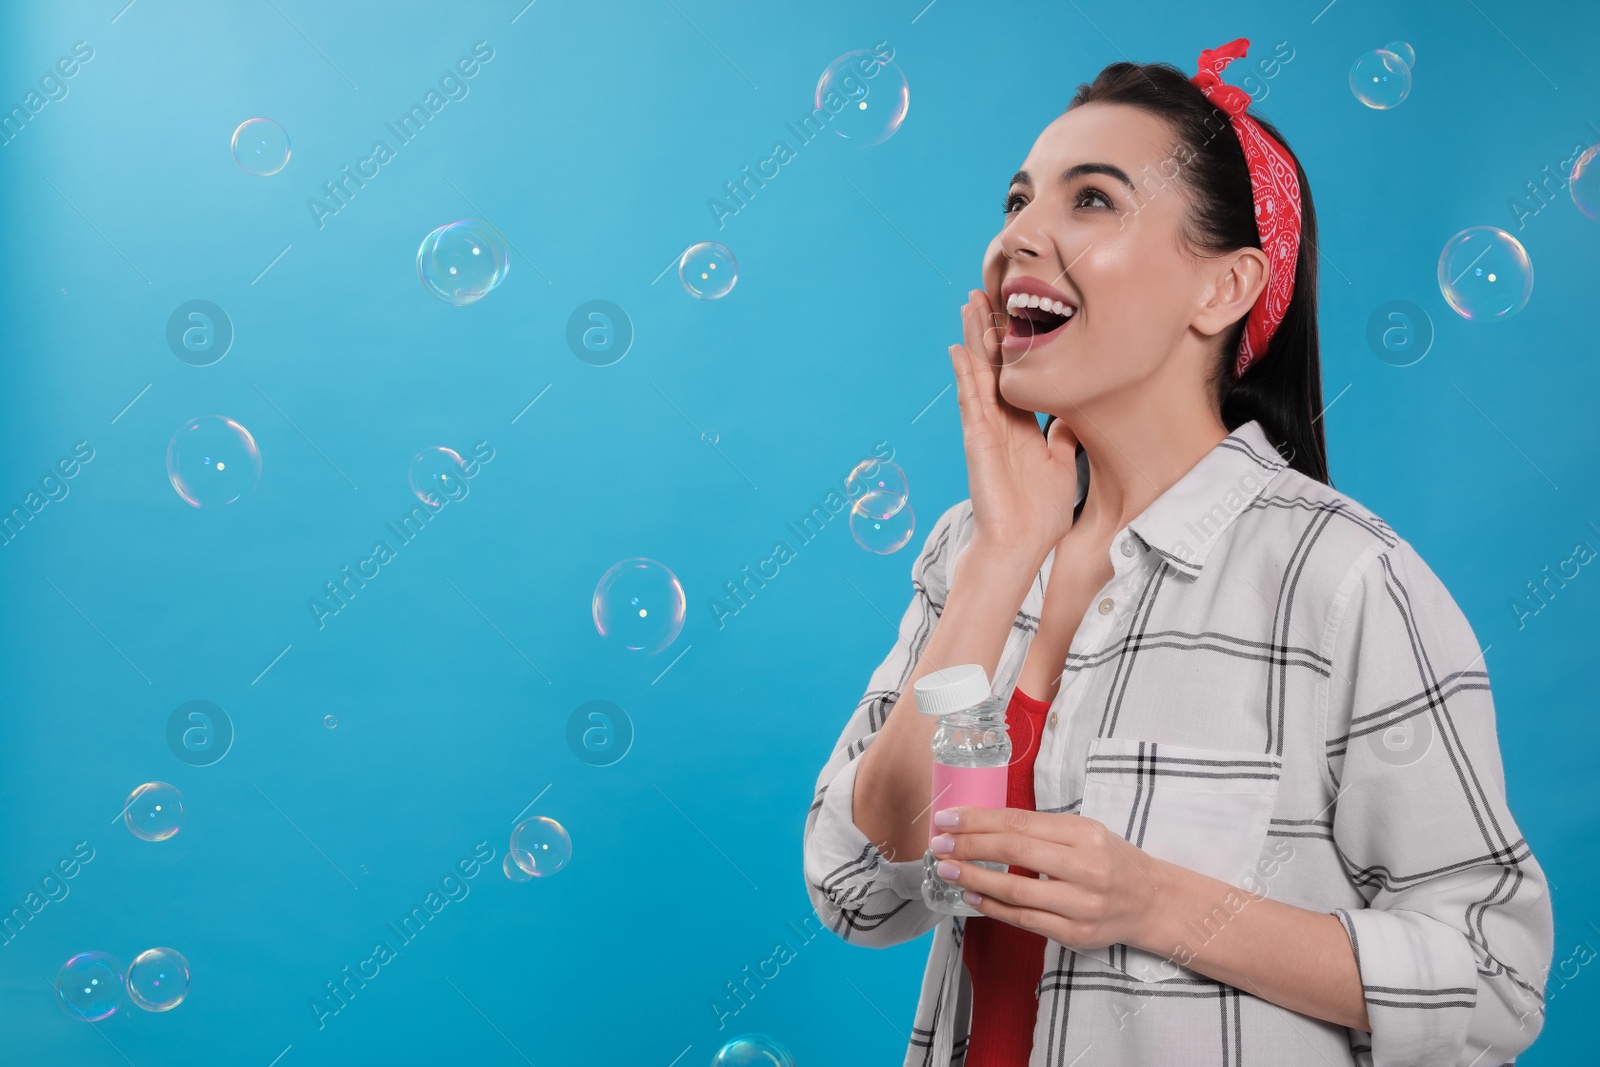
{"x":1098,"y":889}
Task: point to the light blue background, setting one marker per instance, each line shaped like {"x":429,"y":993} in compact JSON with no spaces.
{"x":594,"y":138}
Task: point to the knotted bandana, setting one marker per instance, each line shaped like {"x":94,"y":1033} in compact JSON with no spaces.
{"x":1277,"y":198}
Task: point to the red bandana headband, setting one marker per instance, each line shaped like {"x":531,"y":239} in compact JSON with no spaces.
{"x":1277,"y":198}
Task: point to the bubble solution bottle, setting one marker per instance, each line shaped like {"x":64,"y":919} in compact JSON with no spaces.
{"x":971,"y":751}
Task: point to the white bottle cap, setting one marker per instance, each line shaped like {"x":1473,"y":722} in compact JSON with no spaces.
{"x":952,"y":689}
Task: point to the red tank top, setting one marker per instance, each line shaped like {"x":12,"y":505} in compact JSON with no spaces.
{"x":1005,"y":962}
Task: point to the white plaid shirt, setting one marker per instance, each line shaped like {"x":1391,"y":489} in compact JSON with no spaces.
{"x":1275,"y":690}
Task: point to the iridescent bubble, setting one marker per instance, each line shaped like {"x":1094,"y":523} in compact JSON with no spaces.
{"x":512,"y":865}
{"x":866,"y":95}
{"x":883,"y":481}
{"x":154,"y":811}
{"x":1485,"y":273}
{"x":540,"y":846}
{"x":459,"y":263}
{"x":639,"y":604}
{"x":331,"y":721}
{"x":89,"y":986}
{"x":213,"y":460}
{"x":438,"y":475}
{"x":158,"y":979}
{"x":710,"y":437}
{"x":708,"y":270}
{"x":1380,"y":79}
{"x":261,"y":146}
{"x":882,"y":536}
{"x":1407,"y":54}
{"x":753,"y":1050}
{"x":1585,"y":183}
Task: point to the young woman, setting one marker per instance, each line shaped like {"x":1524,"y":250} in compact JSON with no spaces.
{"x":1256,"y":812}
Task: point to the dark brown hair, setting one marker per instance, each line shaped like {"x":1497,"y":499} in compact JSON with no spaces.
{"x":1282,"y":389}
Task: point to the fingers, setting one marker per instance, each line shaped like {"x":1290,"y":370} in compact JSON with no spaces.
{"x":1011,"y":849}
{"x":1047,"y":826}
{"x":975,"y":329}
{"x":994,"y":332}
{"x":967,"y":398}
{"x":1044,"y":921}
{"x":976,"y":387}
{"x":1013,"y":889}
{"x":1061,"y":847}
{"x":983,"y":338}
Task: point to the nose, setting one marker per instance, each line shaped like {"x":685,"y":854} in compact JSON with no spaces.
{"x":1019,"y":243}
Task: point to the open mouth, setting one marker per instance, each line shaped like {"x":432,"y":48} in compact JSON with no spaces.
{"x":1033,"y":320}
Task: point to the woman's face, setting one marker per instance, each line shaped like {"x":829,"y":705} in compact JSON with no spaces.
{"x":1092,"y":227}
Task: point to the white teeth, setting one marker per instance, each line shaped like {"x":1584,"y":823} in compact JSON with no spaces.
{"x":1028,"y":300}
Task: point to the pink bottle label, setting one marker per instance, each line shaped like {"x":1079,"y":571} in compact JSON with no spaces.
{"x":979,"y":787}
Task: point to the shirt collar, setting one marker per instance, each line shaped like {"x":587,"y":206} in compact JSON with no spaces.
{"x":1183,"y":523}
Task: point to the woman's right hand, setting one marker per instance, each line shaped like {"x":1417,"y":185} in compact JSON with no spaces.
{"x":1024,"y":487}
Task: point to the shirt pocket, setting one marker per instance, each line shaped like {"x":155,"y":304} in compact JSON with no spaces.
{"x":1201,"y":808}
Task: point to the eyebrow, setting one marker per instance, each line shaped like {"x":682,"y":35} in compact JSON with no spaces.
{"x":1078,"y":170}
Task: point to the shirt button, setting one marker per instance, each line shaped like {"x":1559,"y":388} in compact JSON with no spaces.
{"x":1052,"y":721}
{"x":1127,"y":548}
{"x":1106,"y":605}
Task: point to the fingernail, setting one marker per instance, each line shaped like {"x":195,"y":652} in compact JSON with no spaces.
{"x":947,"y":817}
{"x":942,"y":844}
{"x":948,"y":870}
{"x":972,"y":898}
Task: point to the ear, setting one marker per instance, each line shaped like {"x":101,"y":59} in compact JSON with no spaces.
{"x":1236,"y":281}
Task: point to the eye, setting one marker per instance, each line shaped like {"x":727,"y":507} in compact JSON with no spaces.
{"x":1086,"y":196}
{"x":1089,"y":192}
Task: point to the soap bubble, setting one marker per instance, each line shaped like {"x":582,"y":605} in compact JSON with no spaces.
{"x":1585,"y":183}
{"x":873,"y":92}
{"x":512,"y":865}
{"x":158,"y":979}
{"x":1485,"y":273}
{"x":1380,"y":79}
{"x":708,"y":270}
{"x":438,"y":475}
{"x":459,"y":263}
{"x":261,"y":146}
{"x":89,"y":986}
{"x":639,"y":604}
{"x":154,"y":811}
{"x":330,"y":721}
{"x":1407,"y":54}
{"x":540,"y":846}
{"x":753,"y":1050}
{"x":883,"y":481}
{"x":882,"y":535}
{"x":213,"y":460}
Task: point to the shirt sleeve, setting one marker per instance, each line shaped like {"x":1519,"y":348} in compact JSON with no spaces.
{"x":1455,"y":941}
{"x":864,"y":896}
